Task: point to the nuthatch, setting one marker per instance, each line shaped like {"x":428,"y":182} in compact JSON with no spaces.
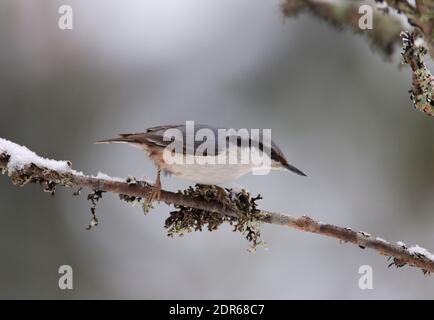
{"x":174,"y":150}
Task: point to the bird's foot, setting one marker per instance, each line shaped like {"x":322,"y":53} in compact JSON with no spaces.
{"x":155,"y":194}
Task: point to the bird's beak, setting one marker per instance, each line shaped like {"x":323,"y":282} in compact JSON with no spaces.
{"x":288,"y":167}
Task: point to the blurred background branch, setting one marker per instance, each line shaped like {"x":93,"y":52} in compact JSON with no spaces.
{"x":384,"y":37}
{"x":385,"y":34}
{"x":31,"y":171}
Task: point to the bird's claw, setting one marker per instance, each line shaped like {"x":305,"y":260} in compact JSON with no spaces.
{"x":155,"y":194}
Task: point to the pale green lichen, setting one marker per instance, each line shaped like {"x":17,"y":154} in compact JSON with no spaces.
{"x":48,"y":179}
{"x":135,"y":201}
{"x":248,"y":221}
{"x":146,"y":207}
{"x":422,"y":91}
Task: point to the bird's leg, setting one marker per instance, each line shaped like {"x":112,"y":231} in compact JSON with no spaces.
{"x":156,"y":190}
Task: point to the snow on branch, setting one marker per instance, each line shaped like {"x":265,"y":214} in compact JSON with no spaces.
{"x":196,"y":208}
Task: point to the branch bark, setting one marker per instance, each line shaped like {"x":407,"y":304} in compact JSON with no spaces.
{"x":47,"y":176}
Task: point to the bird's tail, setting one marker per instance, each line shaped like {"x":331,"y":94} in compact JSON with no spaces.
{"x":116,"y":140}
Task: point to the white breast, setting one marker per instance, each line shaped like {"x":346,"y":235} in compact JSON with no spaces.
{"x":208,"y":173}
{"x":205,"y":169}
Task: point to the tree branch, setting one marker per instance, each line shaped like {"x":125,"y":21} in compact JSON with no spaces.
{"x":422,"y":91}
{"x":386,"y":34}
{"x":23,"y":167}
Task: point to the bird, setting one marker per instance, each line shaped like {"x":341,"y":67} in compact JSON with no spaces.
{"x":153,"y":141}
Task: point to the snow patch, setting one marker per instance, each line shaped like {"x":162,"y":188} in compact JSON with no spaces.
{"x":102,"y":175}
{"x":20,"y":156}
{"x":401,"y":244}
{"x":422,"y":251}
{"x":419,"y":42}
{"x":380,"y":239}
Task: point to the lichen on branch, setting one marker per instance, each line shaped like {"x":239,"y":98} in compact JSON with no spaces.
{"x":188,"y":219}
{"x":422,"y":91}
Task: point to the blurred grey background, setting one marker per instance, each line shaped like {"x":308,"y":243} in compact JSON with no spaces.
{"x":338,"y":110}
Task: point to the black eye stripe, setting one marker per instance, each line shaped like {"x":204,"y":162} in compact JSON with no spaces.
{"x":274,"y":155}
